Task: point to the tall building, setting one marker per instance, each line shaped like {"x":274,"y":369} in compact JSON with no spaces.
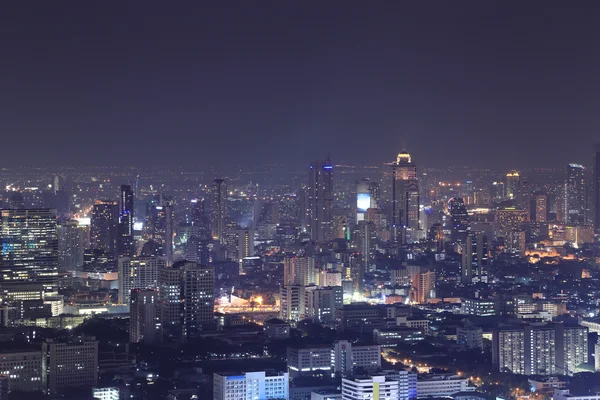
{"x":251,"y":386}
{"x":423,"y":283}
{"x":138,"y":273}
{"x":405,"y":196}
{"x":186,"y":291}
{"x":319,"y":212}
{"x":218,"y":208}
{"x":575,"y":195}
{"x":292,"y":300}
{"x":513,"y":185}
{"x":541,"y":208}
{"x":366,"y":197}
{"x":144,"y":324}
{"x":72,"y":241}
{"x":459,"y":220}
{"x":509,"y":219}
{"x":508,"y":350}
{"x":369,"y":388}
{"x":321,"y":304}
{"x":475,"y":259}
{"x":125,"y":240}
{"x":540,"y":350}
{"x":197,"y":245}
{"x":364,"y":236}
{"x":29,"y":248}
{"x":571,"y":348}
{"x":299,"y":270}
{"x":104,"y":222}
{"x":69,"y":364}
{"x":597,"y":189}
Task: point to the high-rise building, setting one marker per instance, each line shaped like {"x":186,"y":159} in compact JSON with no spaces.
{"x":319,"y":211}
{"x":459,"y":220}
{"x":144,"y":324}
{"x":251,"y":385}
{"x":571,"y":348}
{"x":72,"y":241}
{"x":321,"y":304}
{"x":125,"y":240}
{"x":509,"y":219}
{"x":540,"y":350}
{"x":69,"y":364}
{"x":513,"y":185}
{"x":138,"y":273}
{"x":218,"y":208}
{"x":475,"y":259}
{"x":423,"y":283}
{"x":366,"y":197}
{"x":364,"y":236}
{"x":104,"y":222}
{"x":29,"y":248}
{"x":369,"y":388}
{"x":299,"y":270}
{"x":508,"y":350}
{"x":541,"y":208}
{"x":575,"y":195}
{"x":197,"y":245}
{"x":597,"y":189}
{"x":405,"y":196}
{"x":186,"y":291}
{"x":292,"y":300}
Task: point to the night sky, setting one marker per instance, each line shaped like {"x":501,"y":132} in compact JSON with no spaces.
{"x":494,"y":84}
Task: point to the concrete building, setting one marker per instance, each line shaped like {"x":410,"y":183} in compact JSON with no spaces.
{"x":407,"y":383}
{"x":23,"y":369}
{"x":106,"y":393}
{"x":322,"y":304}
{"x":138,"y":273}
{"x":292,"y":303}
{"x":478,"y":307}
{"x":369,"y":388}
{"x":250,"y":386}
{"x":144,"y":323}
{"x":470,"y":336}
{"x":441,"y":385}
{"x":70,"y":364}
{"x":563,"y":394}
{"x":508,"y":350}
{"x":276,"y":329}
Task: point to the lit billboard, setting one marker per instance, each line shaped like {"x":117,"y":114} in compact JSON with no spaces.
{"x":363,"y":202}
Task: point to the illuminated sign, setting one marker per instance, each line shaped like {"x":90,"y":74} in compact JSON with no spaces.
{"x":363,"y":202}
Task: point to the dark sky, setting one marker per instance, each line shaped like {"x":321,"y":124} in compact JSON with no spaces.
{"x":498,"y":84}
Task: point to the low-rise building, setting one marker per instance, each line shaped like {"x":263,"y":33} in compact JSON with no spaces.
{"x":276,"y":329}
{"x":390,"y":337}
{"x":369,"y":388}
{"x":251,"y":385}
{"x":441,"y":385}
{"x":23,"y":369}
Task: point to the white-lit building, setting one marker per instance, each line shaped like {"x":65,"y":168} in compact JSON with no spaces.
{"x":478,"y":307}
{"x":138,"y":273}
{"x":106,"y":393}
{"x":322,"y":303}
{"x":250,"y":386}
{"x":292,"y":303}
{"x":441,"y":385}
{"x":369,"y":388}
{"x":407,"y":383}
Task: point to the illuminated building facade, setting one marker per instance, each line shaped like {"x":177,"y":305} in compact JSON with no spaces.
{"x":513,"y":185}
{"x":459,"y":220}
{"x":72,"y":241}
{"x":103,"y":230}
{"x":366,"y":197}
{"x":541,"y":208}
{"x":575,"y":195}
{"x":509,"y":219}
{"x":218,"y":208}
{"x":475,"y":259}
{"x":29,"y":248}
{"x":144,"y":324}
{"x":138,"y":273}
{"x":319,"y":211}
{"x":125,"y":241}
{"x":405,"y":195}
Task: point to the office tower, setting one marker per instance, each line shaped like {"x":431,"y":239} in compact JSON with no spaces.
{"x":292,"y":303}
{"x":319,"y":212}
{"x":125,"y":241}
{"x":366,"y":193}
{"x":561,"y":202}
{"x":239,"y":243}
{"x":513,"y":185}
{"x":159,"y":228}
{"x":218,"y":208}
{"x":524,"y":199}
{"x":69,"y":364}
{"x":509,"y":219}
{"x":23,"y":368}
{"x":364,"y":237}
{"x":251,"y":385}
{"x":405,"y":196}
{"x":571,"y":348}
{"x":72,"y":240}
{"x":104,"y":221}
{"x":169,"y":231}
{"x":508,"y":350}
{"x":423,"y":283}
{"x":321,"y":304}
{"x":459,"y":220}
{"x":575,"y":195}
{"x":541,"y":208}
{"x":299,"y":270}
{"x":186,"y":291}
{"x":138,"y":273}
{"x":475,"y":259}
{"x":497,"y":191}
{"x":197,"y":246}
{"x":369,"y":388}
{"x":144,"y":324}
{"x":29,"y":248}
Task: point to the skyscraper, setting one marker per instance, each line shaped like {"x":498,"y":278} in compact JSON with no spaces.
{"x":186,"y":291}
{"x":597,"y":189}
{"x":69,"y":364}
{"x":197,"y":245}
{"x":104,"y":221}
{"x":541,"y":208}
{"x":126,"y":244}
{"x":319,"y":212}
{"x":218,"y":208}
{"x":29,"y":248}
{"x":475,"y":259}
{"x":575,"y":195}
{"x":513,"y":185}
{"x":459,"y":220}
{"x":72,"y":241}
{"x":144,"y":323}
{"x":405,"y":195}
{"x":138,"y":273}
